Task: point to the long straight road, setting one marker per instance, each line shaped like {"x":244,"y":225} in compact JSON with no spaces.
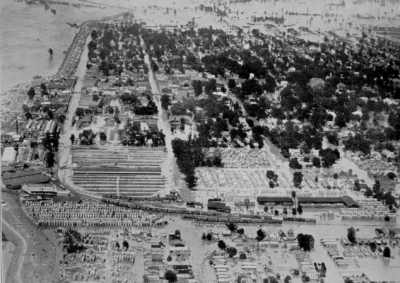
{"x":163,"y":124}
{"x":64,"y":153}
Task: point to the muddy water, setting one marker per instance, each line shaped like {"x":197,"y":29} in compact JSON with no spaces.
{"x":28,"y":31}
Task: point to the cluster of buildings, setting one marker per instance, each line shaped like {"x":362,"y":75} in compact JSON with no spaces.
{"x":168,"y":258}
{"x":53,"y":213}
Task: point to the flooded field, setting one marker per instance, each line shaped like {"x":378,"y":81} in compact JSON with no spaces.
{"x":28,"y":31}
{"x":114,"y":102}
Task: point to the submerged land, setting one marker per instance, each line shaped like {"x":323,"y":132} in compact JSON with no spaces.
{"x":209,"y":142}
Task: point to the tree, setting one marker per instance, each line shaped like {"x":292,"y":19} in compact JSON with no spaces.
{"x":300,"y":209}
{"x":351,"y":235}
{"x":221,"y":245}
{"x":189,"y":155}
{"x":318,"y":117}
{"x":170,"y":276}
{"x":341,"y":119}
{"x":165,"y":101}
{"x":297,"y":179}
{"x":231,"y":226}
{"x":294,"y":164}
{"x":260,"y":235}
{"x":191,"y":181}
{"x":377,"y":189}
{"x":305,"y":241}
{"x":50,"y":159}
{"x":93,"y":34}
{"x":231,"y":84}
{"x":251,"y":86}
{"x":316,"y":162}
{"x":103,"y":136}
{"x":217,"y":162}
{"x":207,"y":236}
{"x":372,"y":246}
{"x":329,"y":156}
{"x":272,"y":279}
{"x":28,"y":115}
{"x":242,"y":256}
{"x":79,"y":112}
{"x":368,"y":192}
{"x":197,"y":87}
{"x":389,"y":199}
{"x":232,"y":251}
{"x":31,"y":93}
{"x":270,"y":174}
{"x":129,"y":99}
{"x":61,"y":118}
{"x":391,"y":175}
{"x":154,"y":66}
{"x":210,"y":86}
{"x":240,"y":231}
{"x":333,"y":138}
{"x":394,"y":120}
{"x":358,"y":143}
{"x":287,"y":279}
{"x":386,"y":252}
{"x":43,"y":89}
{"x":73,"y":241}
{"x":270,"y":83}
{"x":323,"y":269}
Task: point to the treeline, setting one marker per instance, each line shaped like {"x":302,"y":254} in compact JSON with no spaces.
{"x":189,"y":155}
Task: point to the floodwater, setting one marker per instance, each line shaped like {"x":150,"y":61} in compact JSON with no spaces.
{"x":376,"y":269}
{"x":27,"y":33}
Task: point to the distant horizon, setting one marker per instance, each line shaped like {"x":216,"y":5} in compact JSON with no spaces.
{"x":15,"y":71}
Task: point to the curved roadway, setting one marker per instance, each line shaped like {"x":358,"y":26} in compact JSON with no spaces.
{"x":14,"y":274}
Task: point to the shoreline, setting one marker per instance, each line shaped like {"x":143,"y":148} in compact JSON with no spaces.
{"x":12,"y":98}
{"x":16,"y":95}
